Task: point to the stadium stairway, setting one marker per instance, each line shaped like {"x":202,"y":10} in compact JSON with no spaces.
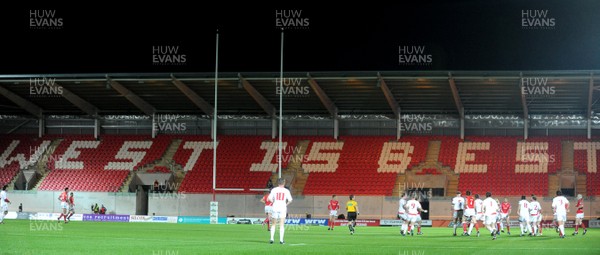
{"x":294,"y":169}
{"x":43,"y":162}
{"x":567,"y":155}
{"x":165,"y":161}
{"x":11,"y":183}
{"x":567,"y":171}
{"x":581,"y":184}
{"x":553,"y":184}
{"x":568,"y":167}
{"x":164,"y":164}
{"x":431,"y":162}
{"x":41,"y":165}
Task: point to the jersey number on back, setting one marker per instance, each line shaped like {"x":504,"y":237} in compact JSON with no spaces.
{"x":280,"y":196}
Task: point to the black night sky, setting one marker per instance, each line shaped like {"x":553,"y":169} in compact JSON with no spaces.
{"x":459,"y":35}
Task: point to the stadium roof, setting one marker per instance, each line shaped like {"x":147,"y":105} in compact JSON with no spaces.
{"x":318,"y":93}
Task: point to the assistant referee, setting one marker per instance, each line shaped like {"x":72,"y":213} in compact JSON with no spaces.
{"x":352,"y":208}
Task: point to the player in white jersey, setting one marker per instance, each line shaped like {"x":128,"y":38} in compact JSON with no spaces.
{"x":560,"y":206}
{"x":458,"y":204}
{"x":413,"y":207}
{"x":479,"y":213}
{"x":535,"y":209}
{"x":490,"y":210}
{"x":281,"y":198}
{"x":3,"y":204}
{"x":402,"y":214}
{"x":524,"y":218}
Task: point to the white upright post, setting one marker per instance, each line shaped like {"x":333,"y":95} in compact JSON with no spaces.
{"x":214,"y":205}
{"x":280,"y":104}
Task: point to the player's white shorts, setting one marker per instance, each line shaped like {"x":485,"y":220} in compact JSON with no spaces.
{"x":480,"y":217}
{"x":579,"y":216}
{"x":268,"y":209}
{"x":469,"y":212}
{"x":534,"y":218}
{"x":4,"y":208}
{"x":503,"y":216}
{"x":403,"y":216}
{"x":524,"y":218}
{"x":279,"y":213}
{"x":561,"y":217}
{"x":64,"y":205}
{"x":333,"y":213}
{"x":490,"y":219}
{"x":413,"y":218}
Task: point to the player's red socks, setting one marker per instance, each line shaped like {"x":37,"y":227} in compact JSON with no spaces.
{"x":62,"y":215}
{"x":577,"y":228}
{"x":419,"y":229}
{"x":507,"y":228}
{"x":583,"y":225}
{"x":498,"y":226}
{"x":408,"y":231}
{"x":268,"y":223}
{"x":464,"y":227}
{"x":477,"y":226}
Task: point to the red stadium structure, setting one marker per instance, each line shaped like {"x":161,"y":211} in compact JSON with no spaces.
{"x":368,"y":134}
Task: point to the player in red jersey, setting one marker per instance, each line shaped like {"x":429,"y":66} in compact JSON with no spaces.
{"x":469,"y":214}
{"x":505,"y":210}
{"x":579,"y":216}
{"x":268,"y":209}
{"x":333,"y":206}
{"x":71,"y":206}
{"x":64,"y":204}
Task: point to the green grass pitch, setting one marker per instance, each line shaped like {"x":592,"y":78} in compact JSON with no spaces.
{"x":46,"y":237}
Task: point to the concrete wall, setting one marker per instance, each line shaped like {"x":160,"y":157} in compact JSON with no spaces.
{"x":47,"y":201}
{"x":172,"y":204}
